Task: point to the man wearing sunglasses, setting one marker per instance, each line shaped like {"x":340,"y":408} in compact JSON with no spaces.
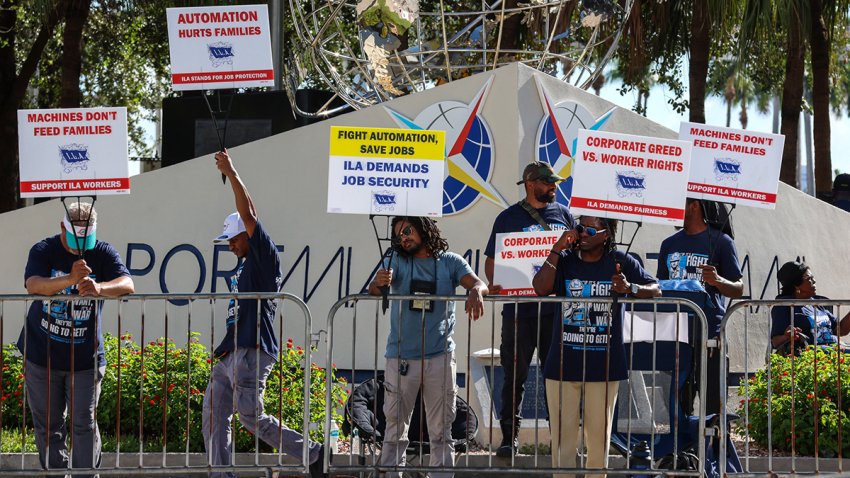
{"x":522,"y":329}
{"x":420,"y":348}
{"x":706,"y":256}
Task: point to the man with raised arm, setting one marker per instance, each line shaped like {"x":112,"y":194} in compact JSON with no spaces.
{"x":243,"y":356}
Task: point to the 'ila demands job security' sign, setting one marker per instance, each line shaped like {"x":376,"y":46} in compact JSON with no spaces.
{"x":733,"y":165}
{"x":219,"y":47}
{"x":73,"y":152}
{"x":519,"y":255}
{"x":386,"y":171}
{"x":634,"y":178}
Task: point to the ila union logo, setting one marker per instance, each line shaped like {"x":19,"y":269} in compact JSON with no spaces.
{"x":630,"y":184}
{"x":74,"y":156}
{"x":221,"y":53}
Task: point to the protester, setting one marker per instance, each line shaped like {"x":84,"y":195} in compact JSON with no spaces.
{"x":61,"y":340}
{"x":587,"y":357}
{"x":245,"y":360}
{"x":816,"y":322}
{"x":703,"y":253}
{"x":423,"y":266}
{"x":523,"y":329}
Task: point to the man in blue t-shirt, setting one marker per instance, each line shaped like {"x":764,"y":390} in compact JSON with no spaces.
{"x":61,"y":340}
{"x":702,"y":253}
{"x":522,"y":329}
{"x":423,"y":266}
{"x":234,"y":379}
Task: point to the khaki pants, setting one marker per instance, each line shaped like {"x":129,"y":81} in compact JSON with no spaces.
{"x":565,"y":400}
{"x":436,"y":377}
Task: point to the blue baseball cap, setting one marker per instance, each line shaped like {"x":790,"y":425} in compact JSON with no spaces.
{"x":80,"y":237}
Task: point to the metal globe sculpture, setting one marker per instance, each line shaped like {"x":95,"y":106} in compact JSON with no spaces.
{"x":370,"y":51}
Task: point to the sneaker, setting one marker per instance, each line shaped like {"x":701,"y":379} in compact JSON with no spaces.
{"x":507,"y":448}
{"x":317,"y":468}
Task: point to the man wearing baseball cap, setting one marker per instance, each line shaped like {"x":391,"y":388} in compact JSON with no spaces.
{"x":523,"y":329}
{"x":242,"y":353}
{"x":61,"y":340}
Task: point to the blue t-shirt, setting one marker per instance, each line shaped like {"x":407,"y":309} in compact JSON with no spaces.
{"x":681,"y":255}
{"x":517,"y":219}
{"x":76,"y":321}
{"x":405,"y":338}
{"x":259,"y":273}
{"x":816,"y":321}
{"x":588,"y":330}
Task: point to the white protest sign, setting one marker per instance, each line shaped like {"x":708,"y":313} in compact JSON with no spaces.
{"x":220,"y":47}
{"x":634,"y":178}
{"x":519,"y":255}
{"x":733,"y":166}
{"x":73,"y":152}
{"x":386,"y":171}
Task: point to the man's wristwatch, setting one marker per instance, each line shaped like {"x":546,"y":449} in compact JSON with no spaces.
{"x":633,"y":289}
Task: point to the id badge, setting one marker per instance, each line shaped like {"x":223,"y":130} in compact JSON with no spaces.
{"x":424,"y":288}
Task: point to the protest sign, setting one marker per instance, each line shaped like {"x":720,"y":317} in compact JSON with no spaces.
{"x":386,"y":171}
{"x":733,"y":166}
{"x":634,"y":178}
{"x":73,"y":152}
{"x":519,"y":255}
{"x":220,"y":47}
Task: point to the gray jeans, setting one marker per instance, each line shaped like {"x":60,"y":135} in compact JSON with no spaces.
{"x":233,"y":381}
{"x":50,"y":421}
{"x":436,"y":377}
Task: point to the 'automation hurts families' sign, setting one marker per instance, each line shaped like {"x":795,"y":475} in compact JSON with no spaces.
{"x":220,"y":47}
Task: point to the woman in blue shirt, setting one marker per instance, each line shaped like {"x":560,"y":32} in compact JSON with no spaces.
{"x":816,"y":322}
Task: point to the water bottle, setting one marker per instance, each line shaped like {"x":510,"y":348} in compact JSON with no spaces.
{"x":641,"y":459}
{"x":334,"y":439}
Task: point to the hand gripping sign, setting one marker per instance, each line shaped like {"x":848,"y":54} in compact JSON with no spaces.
{"x":733,"y":166}
{"x":628,"y":177}
{"x":73,"y":152}
{"x":519,"y":255}
{"x":220,"y":47}
{"x":386,"y":171}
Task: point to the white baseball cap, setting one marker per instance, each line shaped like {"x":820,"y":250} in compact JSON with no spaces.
{"x":233,"y":226}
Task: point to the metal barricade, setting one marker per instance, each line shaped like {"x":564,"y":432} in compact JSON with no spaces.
{"x":803,"y":418}
{"x":358,"y":319}
{"x":134,"y":316}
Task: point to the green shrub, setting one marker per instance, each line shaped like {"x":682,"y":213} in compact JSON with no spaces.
{"x":805,"y":388}
{"x":163,"y":380}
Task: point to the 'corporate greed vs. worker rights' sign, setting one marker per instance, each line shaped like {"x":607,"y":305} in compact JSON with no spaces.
{"x":219,"y":47}
{"x":519,"y":255}
{"x":73,"y":152}
{"x":386,"y":171}
{"x":635,"y":178}
{"x":733,"y":166}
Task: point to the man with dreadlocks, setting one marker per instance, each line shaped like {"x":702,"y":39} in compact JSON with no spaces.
{"x":707,"y":257}
{"x":420,"y":348}
{"x":587,"y":359}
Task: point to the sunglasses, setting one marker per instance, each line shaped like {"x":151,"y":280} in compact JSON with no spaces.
{"x":406,"y":232}
{"x":591,"y":231}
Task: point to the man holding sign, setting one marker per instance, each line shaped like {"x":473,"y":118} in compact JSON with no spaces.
{"x":701,"y":252}
{"x":420,"y":348}
{"x":246,"y":359}
{"x":61,"y":340}
{"x":522,"y":330}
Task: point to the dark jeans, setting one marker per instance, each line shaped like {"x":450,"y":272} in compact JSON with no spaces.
{"x":712,"y":380}
{"x":519,"y":339}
